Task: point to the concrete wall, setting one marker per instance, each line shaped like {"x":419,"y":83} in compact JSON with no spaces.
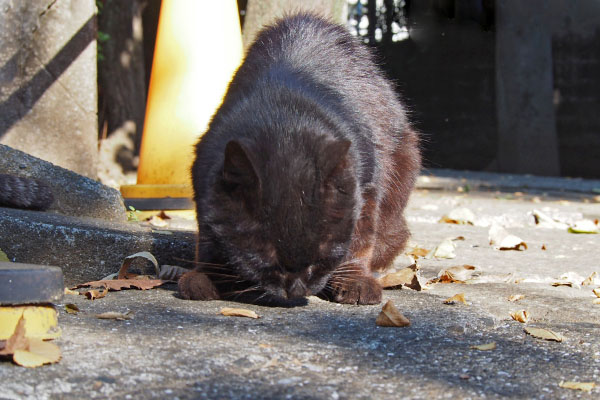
{"x":48,"y":88}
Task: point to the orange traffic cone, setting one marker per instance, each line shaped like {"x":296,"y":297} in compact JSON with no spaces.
{"x":198,"y":48}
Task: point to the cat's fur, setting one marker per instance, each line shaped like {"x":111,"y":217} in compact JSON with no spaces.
{"x":25,"y":193}
{"x":302,"y":178}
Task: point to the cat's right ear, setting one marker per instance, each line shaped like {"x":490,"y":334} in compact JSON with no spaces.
{"x":238,"y":168}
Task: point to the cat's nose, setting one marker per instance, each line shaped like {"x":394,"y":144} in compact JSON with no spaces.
{"x":296,"y":289}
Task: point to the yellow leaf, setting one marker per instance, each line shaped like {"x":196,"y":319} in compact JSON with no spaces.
{"x":584,"y":386}
{"x":485,"y":347}
{"x":40,"y":321}
{"x":238,"y":312}
{"x":457,"y":298}
{"x":71,"y":292}
{"x":38,"y":353}
{"x":545,"y":334}
{"x":391,"y":317}
{"x":521,"y":315}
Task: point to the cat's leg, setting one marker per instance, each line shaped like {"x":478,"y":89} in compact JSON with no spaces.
{"x":195,"y":285}
{"x":352,"y":282}
{"x":400,"y":174}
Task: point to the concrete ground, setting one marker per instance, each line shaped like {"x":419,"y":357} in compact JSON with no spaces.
{"x":173,"y":348}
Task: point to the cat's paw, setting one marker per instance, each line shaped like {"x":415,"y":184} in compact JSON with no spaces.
{"x":363,"y":290}
{"x":194,"y":285}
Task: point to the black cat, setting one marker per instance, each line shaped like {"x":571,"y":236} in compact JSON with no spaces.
{"x":301,"y":180}
{"x":26,"y":193}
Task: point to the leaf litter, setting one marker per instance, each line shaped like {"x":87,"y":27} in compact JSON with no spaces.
{"x":459,"y":216}
{"x":485,"y":347}
{"x":409,"y":277}
{"x":545,"y":334}
{"x":583,"y":386}
{"x":239,"y":312}
{"x":457,"y":298}
{"x":29,"y":352}
{"x":502,"y":240}
{"x":443,"y":250}
{"x":520,"y":315}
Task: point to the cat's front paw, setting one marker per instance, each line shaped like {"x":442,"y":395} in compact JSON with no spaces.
{"x":194,"y":285}
{"x":362,"y":290}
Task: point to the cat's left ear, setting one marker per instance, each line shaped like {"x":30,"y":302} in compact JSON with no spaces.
{"x":238,"y":168}
{"x":335,"y":156}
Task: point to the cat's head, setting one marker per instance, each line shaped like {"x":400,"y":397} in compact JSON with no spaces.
{"x":284,"y":220}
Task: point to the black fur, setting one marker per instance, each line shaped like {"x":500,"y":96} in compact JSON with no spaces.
{"x":26,"y":193}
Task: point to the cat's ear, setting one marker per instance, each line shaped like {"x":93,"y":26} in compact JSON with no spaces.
{"x":335,"y":156}
{"x":238,"y":168}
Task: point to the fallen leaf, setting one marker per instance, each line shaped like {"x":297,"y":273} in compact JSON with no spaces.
{"x":464,"y":376}
{"x":3,"y":257}
{"x":521,"y":315}
{"x":593,"y":279}
{"x":443,"y":250}
{"x":571,"y":279}
{"x":409,"y":277}
{"x":95,"y":294}
{"x":38,"y":353}
{"x":27,"y":351}
{"x":584,"y":226}
{"x":418,"y":252}
{"x":71,"y":292}
{"x":583,"y":386}
{"x":596,"y":292}
{"x":543,"y":247}
{"x":157,"y":222}
{"x":516,"y":297}
{"x":123,"y":271}
{"x":545,"y":334}
{"x":457,"y":298}
{"x":502,"y":240}
{"x":459,"y":216}
{"x":17,"y":341}
{"x":456,"y":274}
{"x":485,"y":347}
{"x":391,"y":317}
{"x":459,"y":238}
{"x":120,"y":284}
{"x":545,"y":221}
{"x":115,"y":315}
{"x":71,"y":308}
{"x":238,"y":312}
{"x":596,"y":301}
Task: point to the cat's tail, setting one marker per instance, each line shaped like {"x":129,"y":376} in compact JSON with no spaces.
{"x":27,"y":193}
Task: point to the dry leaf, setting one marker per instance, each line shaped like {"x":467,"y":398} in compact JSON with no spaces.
{"x":459,"y":216}
{"x":443,"y":250}
{"x":71,"y":308}
{"x":456,"y":274}
{"x":29,"y":352}
{"x":238,"y":312}
{"x":545,"y":334}
{"x":391,"y":317}
{"x":457,"y":298}
{"x":543,"y":247}
{"x":516,"y":297}
{"x":418,"y":252}
{"x":502,"y":240}
{"x":521,"y":315}
{"x":123,"y":271}
{"x":583,"y":386}
{"x":596,"y":291}
{"x":584,"y":226}
{"x":485,"y":347}
{"x":593,"y":279}
{"x":544,"y":221}
{"x":71,"y":292}
{"x":157,"y":222}
{"x":459,"y":238}
{"x":571,"y":279}
{"x":596,"y":301}
{"x":115,"y":315}
{"x":409,"y":277}
{"x":95,"y":294}
{"x":38,"y":353}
